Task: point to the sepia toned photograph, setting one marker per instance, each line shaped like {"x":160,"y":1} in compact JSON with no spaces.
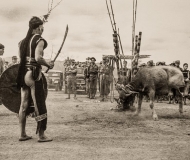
{"x":94,"y":80}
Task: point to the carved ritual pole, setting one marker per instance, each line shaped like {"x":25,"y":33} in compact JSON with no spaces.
{"x":137,"y":51}
{"x":116,"y":50}
{"x":115,"y":39}
{"x":135,"y":55}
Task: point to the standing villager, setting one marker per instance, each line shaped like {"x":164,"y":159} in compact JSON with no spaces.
{"x":2,"y":47}
{"x":104,"y":80}
{"x":14,"y":61}
{"x":111,"y":76}
{"x":185,"y":72}
{"x":29,"y":79}
{"x":125,"y":74}
{"x":99,"y":75}
{"x":66,"y":65}
{"x":93,"y":76}
{"x":86,"y":77}
{"x":1,"y":63}
{"x":186,"y":76}
{"x":71,"y":72}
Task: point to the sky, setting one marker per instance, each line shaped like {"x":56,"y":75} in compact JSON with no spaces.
{"x":164,"y":24}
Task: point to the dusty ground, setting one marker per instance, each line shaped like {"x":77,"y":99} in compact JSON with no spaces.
{"x":85,"y":129}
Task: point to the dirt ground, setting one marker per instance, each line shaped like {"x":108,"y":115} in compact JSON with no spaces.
{"x":87,"y":129}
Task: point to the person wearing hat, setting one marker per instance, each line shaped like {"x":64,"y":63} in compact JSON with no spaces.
{"x":71,"y":72}
{"x":29,"y":79}
{"x":104,"y":79}
{"x":14,"y":61}
{"x":93,"y":76}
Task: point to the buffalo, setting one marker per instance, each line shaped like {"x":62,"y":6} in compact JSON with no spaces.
{"x":153,"y":81}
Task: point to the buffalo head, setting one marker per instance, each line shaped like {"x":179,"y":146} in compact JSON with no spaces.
{"x":126,"y":97}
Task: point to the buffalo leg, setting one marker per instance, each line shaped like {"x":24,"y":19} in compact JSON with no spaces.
{"x":151,"y":96}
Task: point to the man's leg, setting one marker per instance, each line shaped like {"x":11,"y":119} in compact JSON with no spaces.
{"x":87,"y":87}
{"x":94,"y":87}
{"x":42,"y":121}
{"x":25,"y":93}
{"x":107,"y":87}
{"x":100,"y":87}
{"x":74,"y":85}
{"x":90,"y":86}
{"x":68,"y":88}
{"x":103,"y":89}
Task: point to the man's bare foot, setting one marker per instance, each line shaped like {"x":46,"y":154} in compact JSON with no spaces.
{"x":67,"y":98}
{"x":25,"y":138}
{"x":44,"y":139}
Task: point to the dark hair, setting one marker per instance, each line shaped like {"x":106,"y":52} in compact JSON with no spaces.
{"x":185,"y":64}
{"x":34,"y":23}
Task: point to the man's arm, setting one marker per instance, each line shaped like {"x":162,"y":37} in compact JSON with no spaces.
{"x":74,"y":70}
{"x":39,"y":55}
